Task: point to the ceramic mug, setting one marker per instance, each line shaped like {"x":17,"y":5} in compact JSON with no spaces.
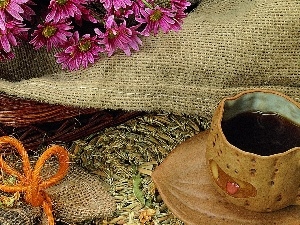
{"x":253,"y":150}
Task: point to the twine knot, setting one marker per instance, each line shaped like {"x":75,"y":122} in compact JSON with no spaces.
{"x":30,"y":182}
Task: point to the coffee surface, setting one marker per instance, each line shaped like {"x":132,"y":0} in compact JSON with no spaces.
{"x":262,"y":133}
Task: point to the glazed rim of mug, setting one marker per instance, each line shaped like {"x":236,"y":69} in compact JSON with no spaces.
{"x":263,"y":101}
{"x":260,"y":100}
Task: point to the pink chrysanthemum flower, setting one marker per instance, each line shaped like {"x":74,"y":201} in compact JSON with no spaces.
{"x":51,"y":35}
{"x":6,"y":55}
{"x":123,"y":12}
{"x":180,"y":4}
{"x":18,"y":29}
{"x":115,"y":4}
{"x":12,"y":8}
{"x":28,"y":12}
{"x":86,"y":14}
{"x":136,"y":7}
{"x":9,"y":37}
{"x":157,"y":18}
{"x":118,"y":37}
{"x":64,"y":9}
{"x":178,"y":18}
{"x":80,"y":53}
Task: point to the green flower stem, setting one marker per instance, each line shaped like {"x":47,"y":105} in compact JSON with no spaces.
{"x":147,"y":4}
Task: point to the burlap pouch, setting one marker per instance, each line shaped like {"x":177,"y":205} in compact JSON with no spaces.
{"x":79,"y":197}
{"x":21,"y":215}
{"x":225,"y":46}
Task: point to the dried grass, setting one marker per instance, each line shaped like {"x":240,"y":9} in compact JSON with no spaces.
{"x":124,"y":156}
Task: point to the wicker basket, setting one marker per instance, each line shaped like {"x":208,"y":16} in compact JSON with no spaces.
{"x":35,"y":123}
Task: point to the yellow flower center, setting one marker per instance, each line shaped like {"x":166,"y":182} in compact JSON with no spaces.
{"x":61,"y":2}
{"x":156,"y":15}
{"x":84,"y":45}
{"x":111,"y":34}
{"x":4,"y":3}
{"x":49,"y":31}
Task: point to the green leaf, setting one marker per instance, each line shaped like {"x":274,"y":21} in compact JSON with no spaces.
{"x":138,"y":193}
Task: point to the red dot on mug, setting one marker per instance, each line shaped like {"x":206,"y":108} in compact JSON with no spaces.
{"x":232,"y":188}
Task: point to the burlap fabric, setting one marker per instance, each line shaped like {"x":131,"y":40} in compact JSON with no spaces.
{"x":79,"y":197}
{"x":21,"y":215}
{"x":225,"y":46}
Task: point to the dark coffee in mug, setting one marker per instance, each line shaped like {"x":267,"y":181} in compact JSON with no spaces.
{"x":262,"y":133}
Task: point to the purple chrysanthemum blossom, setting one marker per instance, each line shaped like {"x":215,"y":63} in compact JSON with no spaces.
{"x":86,"y":14}
{"x":6,"y":55}
{"x":51,"y":35}
{"x":9,"y":37}
{"x":123,"y":12}
{"x":178,"y":18}
{"x":64,"y":9}
{"x":12,"y":8}
{"x":115,"y":4}
{"x":157,"y":18}
{"x":18,"y":29}
{"x":118,"y":37}
{"x":80,"y":52}
{"x":180,"y":4}
{"x":179,"y":7}
{"x":28,"y":11}
{"x":136,"y":7}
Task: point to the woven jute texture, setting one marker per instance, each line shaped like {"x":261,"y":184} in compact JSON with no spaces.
{"x":22,"y":215}
{"x":81,"y":196}
{"x":225,"y":46}
{"x":78,"y":197}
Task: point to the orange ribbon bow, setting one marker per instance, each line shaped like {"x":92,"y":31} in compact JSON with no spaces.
{"x":31,"y":183}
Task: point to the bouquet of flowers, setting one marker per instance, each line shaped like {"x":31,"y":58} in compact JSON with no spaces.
{"x":83,"y":30}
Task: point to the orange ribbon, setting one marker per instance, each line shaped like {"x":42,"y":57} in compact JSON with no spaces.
{"x":31,"y":183}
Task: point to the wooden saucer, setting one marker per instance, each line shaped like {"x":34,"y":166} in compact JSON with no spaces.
{"x":185,"y":186}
